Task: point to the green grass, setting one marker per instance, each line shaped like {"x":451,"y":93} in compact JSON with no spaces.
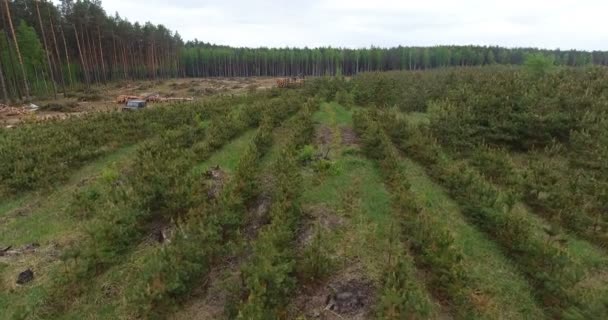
{"x":228,"y":156}
{"x":348,"y":165}
{"x":333,"y":114}
{"x":361,"y":242}
{"x":375,"y":198}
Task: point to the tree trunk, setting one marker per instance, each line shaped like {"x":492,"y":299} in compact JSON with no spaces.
{"x":46,"y":49}
{"x":103,"y":65}
{"x":115,"y":57}
{"x":125,"y":62}
{"x":84,"y":65}
{"x":11,"y":59}
{"x":59,"y":67}
{"x":67,"y":57}
{"x":10,"y":22}
{"x":3,"y":84}
{"x":91,"y":53}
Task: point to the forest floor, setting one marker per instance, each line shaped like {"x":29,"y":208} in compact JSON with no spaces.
{"x":103,"y":97}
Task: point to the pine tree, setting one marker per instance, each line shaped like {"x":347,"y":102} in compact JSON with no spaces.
{"x":5,"y":96}
{"x":46,"y":49}
{"x":20,"y":59}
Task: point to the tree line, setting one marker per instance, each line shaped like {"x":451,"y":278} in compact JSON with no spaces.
{"x":47,"y":48}
{"x":206,"y":60}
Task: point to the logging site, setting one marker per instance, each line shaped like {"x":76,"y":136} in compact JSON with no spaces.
{"x":326,"y":160}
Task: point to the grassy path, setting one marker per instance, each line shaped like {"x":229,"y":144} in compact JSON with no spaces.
{"x":349,"y":205}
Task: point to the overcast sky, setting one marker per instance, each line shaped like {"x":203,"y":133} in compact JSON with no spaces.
{"x":572,"y":24}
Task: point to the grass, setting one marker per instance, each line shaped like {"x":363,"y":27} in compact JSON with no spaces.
{"x":228,"y":156}
{"x":348,"y":165}
{"x":353,"y":190}
{"x":349,"y":168}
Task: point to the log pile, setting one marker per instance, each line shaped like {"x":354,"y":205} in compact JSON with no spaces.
{"x":154,"y":97}
{"x":290,"y":82}
{"x":124,"y":98}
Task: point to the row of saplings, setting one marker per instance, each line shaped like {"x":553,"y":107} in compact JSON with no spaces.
{"x":559,"y":115}
{"x":158,"y":186}
{"x":428,"y":238}
{"x":205,"y":232}
{"x":268,"y":276}
{"x":38,"y":155}
{"x":546,"y":263}
{"x":566,"y":180}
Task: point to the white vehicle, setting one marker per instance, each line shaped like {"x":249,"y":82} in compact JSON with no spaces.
{"x":134,"y":105}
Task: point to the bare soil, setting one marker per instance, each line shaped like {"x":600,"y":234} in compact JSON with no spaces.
{"x":347,"y":295}
{"x":349,"y":136}
{"x":324,"y":135}
{"x":321,"y":215}
{"x":34,"y":257}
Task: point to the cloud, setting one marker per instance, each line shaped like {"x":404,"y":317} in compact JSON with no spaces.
{"x":356,"y":23}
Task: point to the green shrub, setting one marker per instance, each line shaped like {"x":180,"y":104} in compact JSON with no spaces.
{"x":315,"y":262}
{"x":538,"y":64}
{"x":306,"y":154}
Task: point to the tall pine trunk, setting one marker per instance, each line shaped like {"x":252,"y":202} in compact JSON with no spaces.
{"x":82,"y":61}
{"x":67,"y":57}
{"x":59,"y":67}
{"x":91,"y":53}
{"x":11,"y":59}
{"x":103,"y":65}
{"x":20,"y":59}
{"x":46,"y":49}
{"x":3,"y":84}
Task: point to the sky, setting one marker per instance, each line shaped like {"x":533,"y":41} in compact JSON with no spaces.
{"x":572,"y":24}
